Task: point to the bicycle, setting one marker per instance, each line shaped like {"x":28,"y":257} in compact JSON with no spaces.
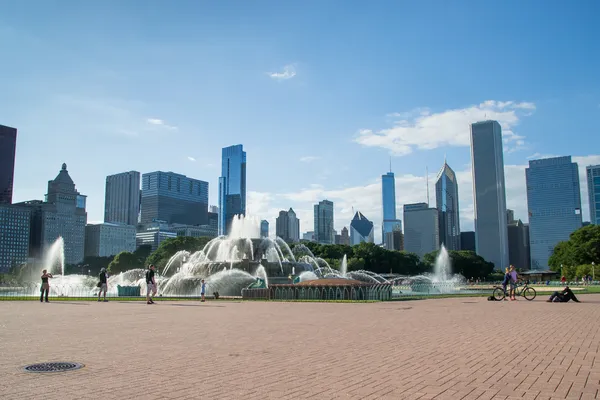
{"x":520,"y":290}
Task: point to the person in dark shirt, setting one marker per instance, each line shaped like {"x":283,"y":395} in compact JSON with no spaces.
{"x":103,"y":284}
{"x":150,"y":284}
{"x":563,"y":297}
{"x":45,"y":288}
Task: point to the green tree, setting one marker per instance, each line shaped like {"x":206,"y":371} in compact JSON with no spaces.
{"x":124,"y":261}
{"x":582,"y":248}
{"x":143,"y":252}
{"x":169,"y":247}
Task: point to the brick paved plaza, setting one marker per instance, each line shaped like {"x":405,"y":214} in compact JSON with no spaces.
{"x":461,"y":348}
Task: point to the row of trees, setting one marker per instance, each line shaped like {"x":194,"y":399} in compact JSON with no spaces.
{"x":574,"y":257}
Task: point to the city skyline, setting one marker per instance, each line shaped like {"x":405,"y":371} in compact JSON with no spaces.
{"x":150,"y":100}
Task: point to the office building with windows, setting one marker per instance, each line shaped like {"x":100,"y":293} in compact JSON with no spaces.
{"x":554,"y":205}
{"x":174,"y":198}
{"x":489,"y":193}
{"x":446,"y":198}
{"x":421,"y":229}
{"x":8,"y":148}
{"x":361,"y":229}
{"x":388,"y":196}
{"x":287,"y":226}
{"x":122,"y":198}
{"x":264,"y":228}
{"x":107,"y":239}
{"x":323,"y":222}
{"x":467,"y":241}
{"x":154,"y":233}
{"x":232,"y":186}
{"x":592,"y":173}
{"x":15,"y":222}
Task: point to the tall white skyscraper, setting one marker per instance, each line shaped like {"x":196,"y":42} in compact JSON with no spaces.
{"x":593,"y":184}
{"x":323,"y":222}
{"x":489,"y":193}
{"x":122,"y":198}
{"x":554,"y":204}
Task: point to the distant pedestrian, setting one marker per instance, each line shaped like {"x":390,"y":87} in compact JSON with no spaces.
{"x":45,"y":288}
{"x":150,"y":284}
{"x":514,"y":278}
{"x":505,"y":281}
{"x":103,"y":283}
{"x":202,"y":290}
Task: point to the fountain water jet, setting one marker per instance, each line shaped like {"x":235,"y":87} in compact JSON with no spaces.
{"x":54,"y":260}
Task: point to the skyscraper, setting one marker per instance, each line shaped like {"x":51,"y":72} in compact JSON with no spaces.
{"x":489,"y":193}
{"x":8,"y":148}
{"x":421,"y":229}
{"x":554,"y":204}
{"x":388,"y":195}
{"x":174,"y":198}
{"x":593,"y":184}
{"x":323,"y":222}
{"x":122,"y":198}
{"x":287,"y":226}
{"x":232,"y":186}
{"x":361,"y":229}
{"x":446,"y":200}
{"x":264,"y":228}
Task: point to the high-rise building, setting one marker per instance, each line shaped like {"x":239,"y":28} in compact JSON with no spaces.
{"x":8,"y":148}
{"x":287,"y":226}
{"x":592,"y":173}
{"x":264,"y":228}
{"x":61,"y":215}
{"x":232,"y":186}
{"x":388,"y":196}
{"x":174,"y":198}
{"x":518,"y":244}
{"x":323,"y":222}
{"x":510,"y":216}
{"x":489,"y":193}
{"x":395,"y":240}
{"x":554,"y":204}
{"x":467,"y":241}
{"x":122,"y":198}
{"x":108,"y":239}
{"x":446,"y":200}
{"x":421,"y":229}
{"x":309,"y":236}
{"x":361,"y":229}
{"x":345,"y":237}
{"x":154,"y":233}
{"x":213,"y":209}
{"x":15,"y":223}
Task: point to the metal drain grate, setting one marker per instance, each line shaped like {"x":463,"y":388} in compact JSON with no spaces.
{"x":53,"y":367}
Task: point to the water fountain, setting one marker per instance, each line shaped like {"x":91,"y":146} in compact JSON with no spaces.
{"x":54,"y":260}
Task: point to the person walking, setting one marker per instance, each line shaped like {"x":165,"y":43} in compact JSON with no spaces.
{"x":202,"y":290}
{"x":150,"y":284}
{"x":103,"y":284}
{"x":45,"y":288}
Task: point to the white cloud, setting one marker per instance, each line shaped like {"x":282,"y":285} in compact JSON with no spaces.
{"x":308,"y":159}
{"x":422,"y":129}
{"x":288,"y":72}
{"x":160,"y":123}
{"x":538,"y":156}
{"x":191,"y":158}
{"x":409,"y":189}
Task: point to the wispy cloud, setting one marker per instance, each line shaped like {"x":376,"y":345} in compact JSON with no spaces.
{"x":191,"y":158}
{"x":308,"y":159}
{"x":289,"y":71}
{"x":160,"y":123}
{"x":423,"y":129}
{"x":537,"y":156}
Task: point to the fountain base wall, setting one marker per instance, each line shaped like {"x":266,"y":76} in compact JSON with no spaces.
{"x":326,"y":292}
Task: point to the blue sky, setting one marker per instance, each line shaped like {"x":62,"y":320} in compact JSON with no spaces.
{"x":320,"y":93}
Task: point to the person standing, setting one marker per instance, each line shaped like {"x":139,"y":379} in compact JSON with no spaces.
{"x":45,"y":289}
{"x":202,"y":290}
{"x":103,"y":284}
{"x":150,"y":284}
{"x":513,"y":282}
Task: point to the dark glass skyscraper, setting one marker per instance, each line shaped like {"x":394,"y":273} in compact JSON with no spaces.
{"x":8,"y":147}
{"x":232,"y":186}
{"x":174,"y":198}
{"x":388,"y":197}
{"x":446,"y":200}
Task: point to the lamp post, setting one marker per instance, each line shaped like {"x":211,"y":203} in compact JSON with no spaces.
{"x":593,"y":272}
{"x":562,"y":273}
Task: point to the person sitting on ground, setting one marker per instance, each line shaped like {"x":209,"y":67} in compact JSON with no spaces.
{"x":563,"y":297}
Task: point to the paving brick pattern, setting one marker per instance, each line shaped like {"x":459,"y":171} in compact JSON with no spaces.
{"x":431,"y":349}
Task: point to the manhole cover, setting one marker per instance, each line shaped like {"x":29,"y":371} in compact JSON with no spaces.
{"x":53,"y":367}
